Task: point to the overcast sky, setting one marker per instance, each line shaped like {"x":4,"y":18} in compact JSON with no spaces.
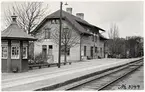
{"x":127,"y":15}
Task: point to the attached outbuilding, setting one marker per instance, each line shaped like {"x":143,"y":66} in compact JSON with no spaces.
{"x":14,"y":48}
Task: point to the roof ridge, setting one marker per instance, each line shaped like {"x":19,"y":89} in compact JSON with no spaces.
{"x":75,"y":17}
{"x":74,"y":20}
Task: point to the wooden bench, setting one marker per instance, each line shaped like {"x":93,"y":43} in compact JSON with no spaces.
{"x":66,"y":63}
{"x":48,"y":65}
{"x":38,"y":65}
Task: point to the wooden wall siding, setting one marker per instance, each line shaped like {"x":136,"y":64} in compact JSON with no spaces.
{"x":4,"y":65}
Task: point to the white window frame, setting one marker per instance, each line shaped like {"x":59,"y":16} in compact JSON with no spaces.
{"x":26,"y":56}
{"x":15,"y":56}
{"x":6,"y":50}
{"x":25,"y":45}
{"x":15,"y":44}
{"x":4,"y":44}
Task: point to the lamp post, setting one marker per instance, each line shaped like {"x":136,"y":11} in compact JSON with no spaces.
{"x":60,"y":28}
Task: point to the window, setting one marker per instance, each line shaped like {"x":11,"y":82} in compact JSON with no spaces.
{"x":98,"y":50}
{"x":84,"y":50}
{"x":55,"y":21}
{"x":96,"y":38}
{"x":95,"y":49}
{"x":101,"y":51}
{"x":50,"y":47}
{"x":15,"y":52}
{"x":44,"y":46}
{"x":25,"y":45}
{"x":92,"y":38}
{"x":63,"y":50}
{"x":91,"y":48}
{"x":4,"y":52}
{"x":15,"y":49}
{"x":66,"y":33}
{"x":52,"y":21}
{"x":47,"y":34}
{"x":24,"y":52}
{"x":4,"y":49}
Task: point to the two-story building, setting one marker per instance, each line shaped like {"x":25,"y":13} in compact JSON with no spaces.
{"x":89,"y":43}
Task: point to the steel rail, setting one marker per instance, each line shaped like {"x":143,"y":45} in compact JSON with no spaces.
{"x":120,"y":77}
{"x":134,"y":63}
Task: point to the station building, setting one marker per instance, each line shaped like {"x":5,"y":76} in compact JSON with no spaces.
{"x":90,"y":43}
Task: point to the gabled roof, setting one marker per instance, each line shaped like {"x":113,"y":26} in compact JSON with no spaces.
{"x":75,"y":21}
{"x":14,"y":32}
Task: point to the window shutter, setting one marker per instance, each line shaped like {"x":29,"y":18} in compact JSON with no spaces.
{"x":48,"y":35}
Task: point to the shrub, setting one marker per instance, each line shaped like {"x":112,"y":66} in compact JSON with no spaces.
{"x":38,"y":59}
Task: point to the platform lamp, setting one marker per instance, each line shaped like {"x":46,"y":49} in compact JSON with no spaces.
{"x":60,"y":28}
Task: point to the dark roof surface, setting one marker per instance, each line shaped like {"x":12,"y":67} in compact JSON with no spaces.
{"x":14,"y":32}
{"x":75,"y":21}
{"x":102,"y":37}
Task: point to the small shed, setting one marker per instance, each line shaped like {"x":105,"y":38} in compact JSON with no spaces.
{"x":14,"y":48}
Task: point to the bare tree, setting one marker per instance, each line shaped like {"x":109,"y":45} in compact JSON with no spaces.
{"x":69,"y":36}
{"x":29,"y":14}
{"x":113,"y":44}
{"x":69,"y":39}
{"x":113,"y":32}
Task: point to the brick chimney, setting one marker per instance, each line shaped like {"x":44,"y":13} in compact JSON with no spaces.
{"x":80,"y":15}
{"x":69,"y":10}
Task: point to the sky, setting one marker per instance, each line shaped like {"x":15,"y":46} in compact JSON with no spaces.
{"x":127,"y":15}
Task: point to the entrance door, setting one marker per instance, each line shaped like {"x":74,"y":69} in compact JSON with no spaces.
{"x":44,"y":53}
{"x":91,"y":51}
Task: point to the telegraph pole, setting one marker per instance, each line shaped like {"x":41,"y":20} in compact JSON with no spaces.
{"x":60,"y":28}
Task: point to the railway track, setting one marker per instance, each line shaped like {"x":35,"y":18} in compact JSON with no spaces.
{"x":103,"y":79}
{"x":100,"y":83}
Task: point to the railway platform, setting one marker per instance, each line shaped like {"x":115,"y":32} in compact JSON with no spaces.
{"x":53,"y":76}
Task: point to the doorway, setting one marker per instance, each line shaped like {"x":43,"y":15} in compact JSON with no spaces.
{"x":44,"y":53}
{"x":91,"y":51}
